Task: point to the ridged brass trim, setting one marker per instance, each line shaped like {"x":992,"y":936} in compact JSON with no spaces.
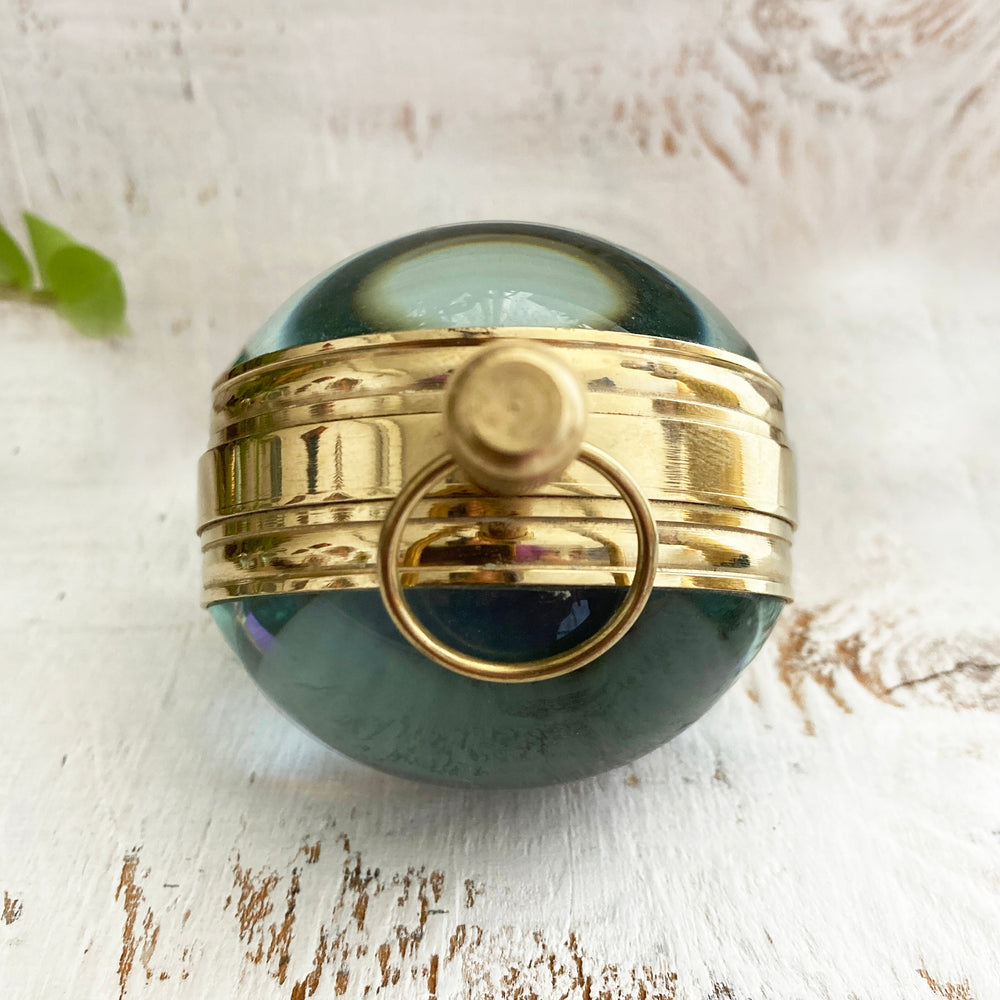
{"x":451,"y":540}
{"x":310,"y":445}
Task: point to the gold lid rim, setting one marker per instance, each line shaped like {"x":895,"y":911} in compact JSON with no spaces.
{"x":470,"y":335}
{"x":310,"y":445}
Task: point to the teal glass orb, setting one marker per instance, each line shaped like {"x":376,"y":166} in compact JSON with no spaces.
{"x":334,"y":661}
{"x":496,"y":274}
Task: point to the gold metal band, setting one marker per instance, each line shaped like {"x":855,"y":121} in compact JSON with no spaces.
{"x":310,"y":446}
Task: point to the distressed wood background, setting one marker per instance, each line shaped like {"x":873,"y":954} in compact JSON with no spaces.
{"x":827,"y":171}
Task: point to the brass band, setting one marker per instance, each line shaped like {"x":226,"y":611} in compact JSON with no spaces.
{"x":310,"y":446}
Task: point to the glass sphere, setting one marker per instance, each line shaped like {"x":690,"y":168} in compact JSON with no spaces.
{"x":335,"y":662}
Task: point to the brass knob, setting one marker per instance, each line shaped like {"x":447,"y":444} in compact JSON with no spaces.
{"x":515,"y":417}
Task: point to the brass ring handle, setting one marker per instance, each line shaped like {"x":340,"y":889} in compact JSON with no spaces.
{"x":388,"y":570}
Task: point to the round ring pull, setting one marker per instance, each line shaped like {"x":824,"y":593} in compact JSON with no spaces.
{"x":621,"y":621}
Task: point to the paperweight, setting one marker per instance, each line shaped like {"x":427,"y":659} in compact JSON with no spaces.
{"x":496,"y":504}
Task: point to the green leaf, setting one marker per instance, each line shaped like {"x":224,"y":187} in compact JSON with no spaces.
{"x":14,"y":267}
{"x":88,"y":290}
{"x":46,"y":240}
{"x":85,"y":285}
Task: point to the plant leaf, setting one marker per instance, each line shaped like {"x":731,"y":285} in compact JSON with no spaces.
{"x":86,"y":286}
{"x":46,"y":240}
{"x":88,"y":290}
{"x":14,"y":267}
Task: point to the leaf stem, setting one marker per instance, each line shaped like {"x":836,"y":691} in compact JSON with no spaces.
{"x":32,"y":296}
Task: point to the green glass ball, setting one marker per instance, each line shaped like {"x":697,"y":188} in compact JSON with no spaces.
{"x":334,"y":661}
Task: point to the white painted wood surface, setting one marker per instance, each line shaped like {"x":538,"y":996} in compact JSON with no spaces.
{"x":829,"y":173}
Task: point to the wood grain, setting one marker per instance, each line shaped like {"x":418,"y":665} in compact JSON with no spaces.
{"x":829,"y":173}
